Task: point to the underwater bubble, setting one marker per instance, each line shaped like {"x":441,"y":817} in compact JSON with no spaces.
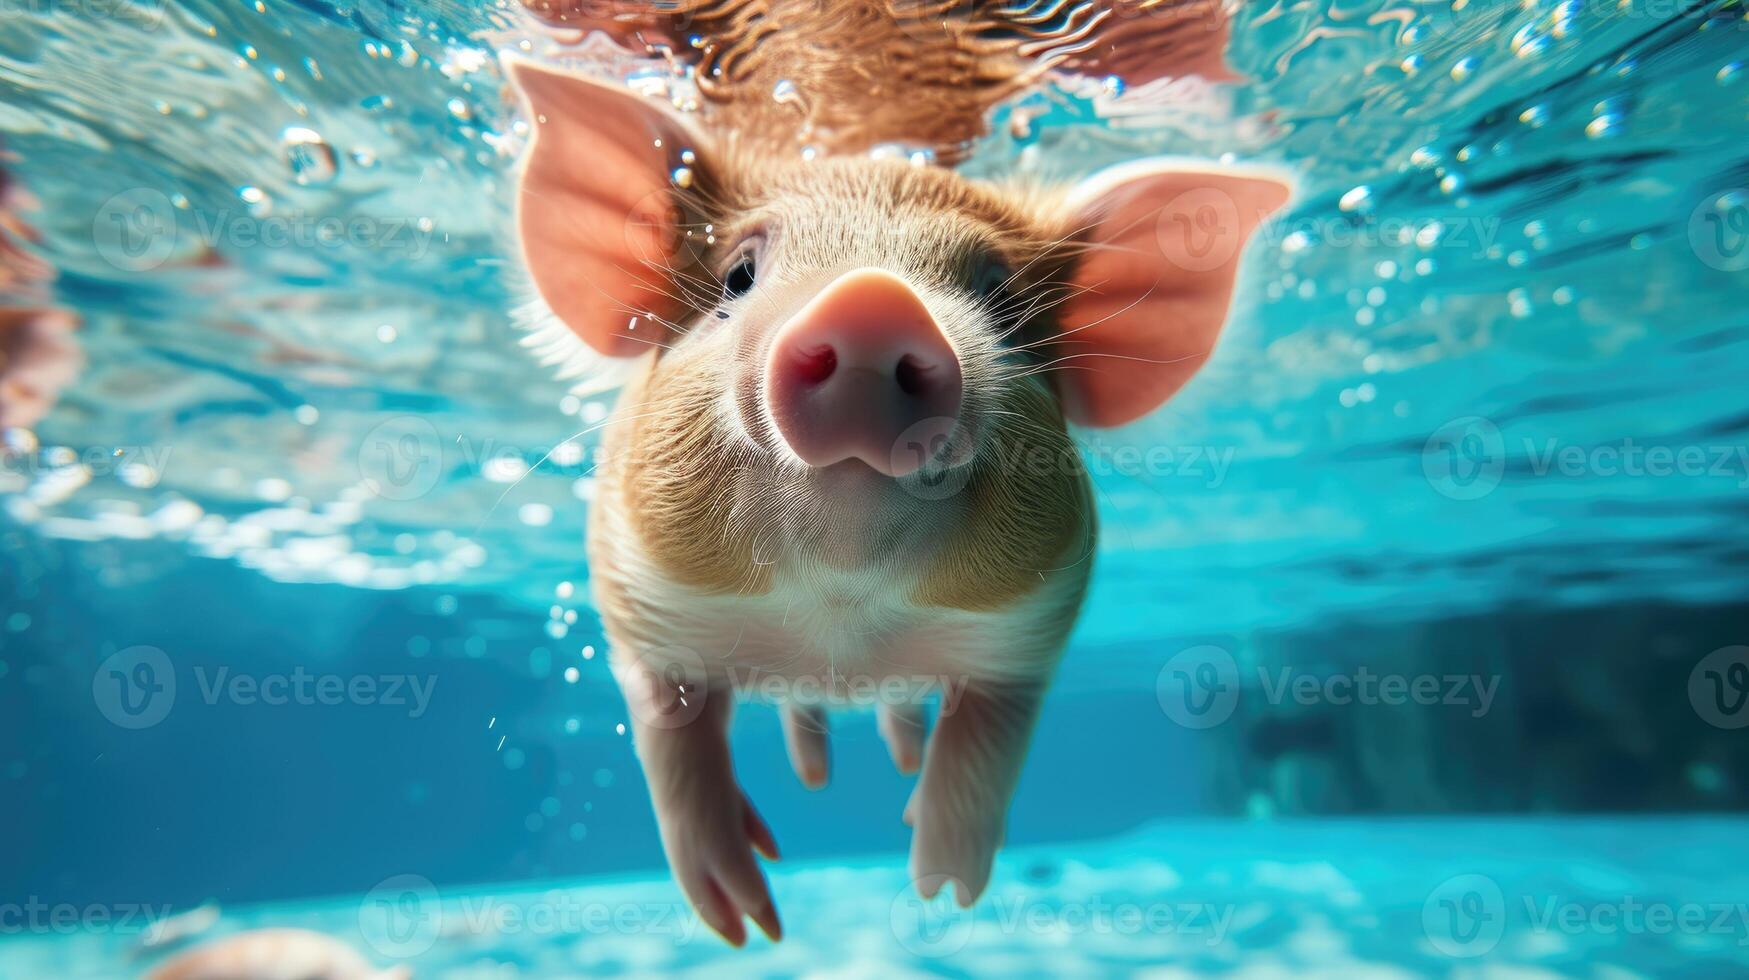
{"x":603,"y":778}
{"x":1412,"y":64}
{"x":306,"y":414}
{"x":535,"y":515}
{"x":573,"y":726}
{"x":1730,"y":74}
{"x":1536,"y":116}
{"x":572,"y":675}
{"x":619,"y":729}
{"x":376,"y":103}
{"x":386,"y":333}
{"x":1465,"y":68}
{"x":460,"y":109}
{"x":1519,"y":302}
{"x":312,"y":160}
{"x":364,"y":158}
{"x":1451,"y":184}
{"x":1425,"y":157}
{"x":578,"y":831}
{"x":682,"y":177}
{"x":1564,"y":296}
{"x":786,"y":93}
{"x":565,"y":590}
{"x":1357,"y":199}
{"x":589,"y":653}
{"x":17,"y":439}
{"x":1604,"y":126}
{"x":256,"y":200}
{"x":138,"y":475}
{"x":1112,"y":86}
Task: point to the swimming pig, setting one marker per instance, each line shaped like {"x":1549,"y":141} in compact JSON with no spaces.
{"x":840,"y":469}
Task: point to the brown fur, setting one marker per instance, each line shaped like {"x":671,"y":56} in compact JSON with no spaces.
{"x":716,"y":516}
{"x":919,"y":72}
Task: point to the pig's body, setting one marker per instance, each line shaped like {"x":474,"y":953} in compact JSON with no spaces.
{"x":839,"y":472}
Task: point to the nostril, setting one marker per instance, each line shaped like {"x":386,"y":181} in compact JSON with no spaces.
{"x":912,"y":375}
{"x":816,"y":364}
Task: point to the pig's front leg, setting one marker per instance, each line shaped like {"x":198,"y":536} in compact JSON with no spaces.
{"x":959,"y":809}
{"x":709,"y":828}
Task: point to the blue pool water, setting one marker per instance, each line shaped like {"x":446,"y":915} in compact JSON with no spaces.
{"x":1478,"y":415}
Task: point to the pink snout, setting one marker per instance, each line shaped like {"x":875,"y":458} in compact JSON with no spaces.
{"x":863,"y":372}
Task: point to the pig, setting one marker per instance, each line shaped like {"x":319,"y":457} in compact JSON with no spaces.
{"x":39,"y":356}
{"x":840,"y":468}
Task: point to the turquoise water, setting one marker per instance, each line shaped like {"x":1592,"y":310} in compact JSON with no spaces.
{"x":1478,"y":410}
{"x":1190,"y":899}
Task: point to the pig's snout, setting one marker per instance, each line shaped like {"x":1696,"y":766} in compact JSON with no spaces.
{"x":859,"y":369}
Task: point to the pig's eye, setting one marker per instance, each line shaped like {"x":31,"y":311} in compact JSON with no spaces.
{"x":739,"y":278}
{"x":990,"y":284}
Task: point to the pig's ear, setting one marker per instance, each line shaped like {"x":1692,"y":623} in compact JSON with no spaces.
{"x":598,"y":212}
{"x":1161,"y":244}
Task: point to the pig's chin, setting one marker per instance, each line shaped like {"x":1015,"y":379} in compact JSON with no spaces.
{"x":857,"y":517}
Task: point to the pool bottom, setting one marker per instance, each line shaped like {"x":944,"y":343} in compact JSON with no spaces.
{"x":1558,"y":897}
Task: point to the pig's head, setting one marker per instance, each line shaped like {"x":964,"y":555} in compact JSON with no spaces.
{"x":859,"y":363}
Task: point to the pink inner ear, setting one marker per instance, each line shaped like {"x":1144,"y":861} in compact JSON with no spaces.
{"x":598,"y":214}
{"x":1163,"y":254}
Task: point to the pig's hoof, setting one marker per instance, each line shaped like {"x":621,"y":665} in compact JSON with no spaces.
{"x":712,"y":857}
{"x":950,"y":852}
